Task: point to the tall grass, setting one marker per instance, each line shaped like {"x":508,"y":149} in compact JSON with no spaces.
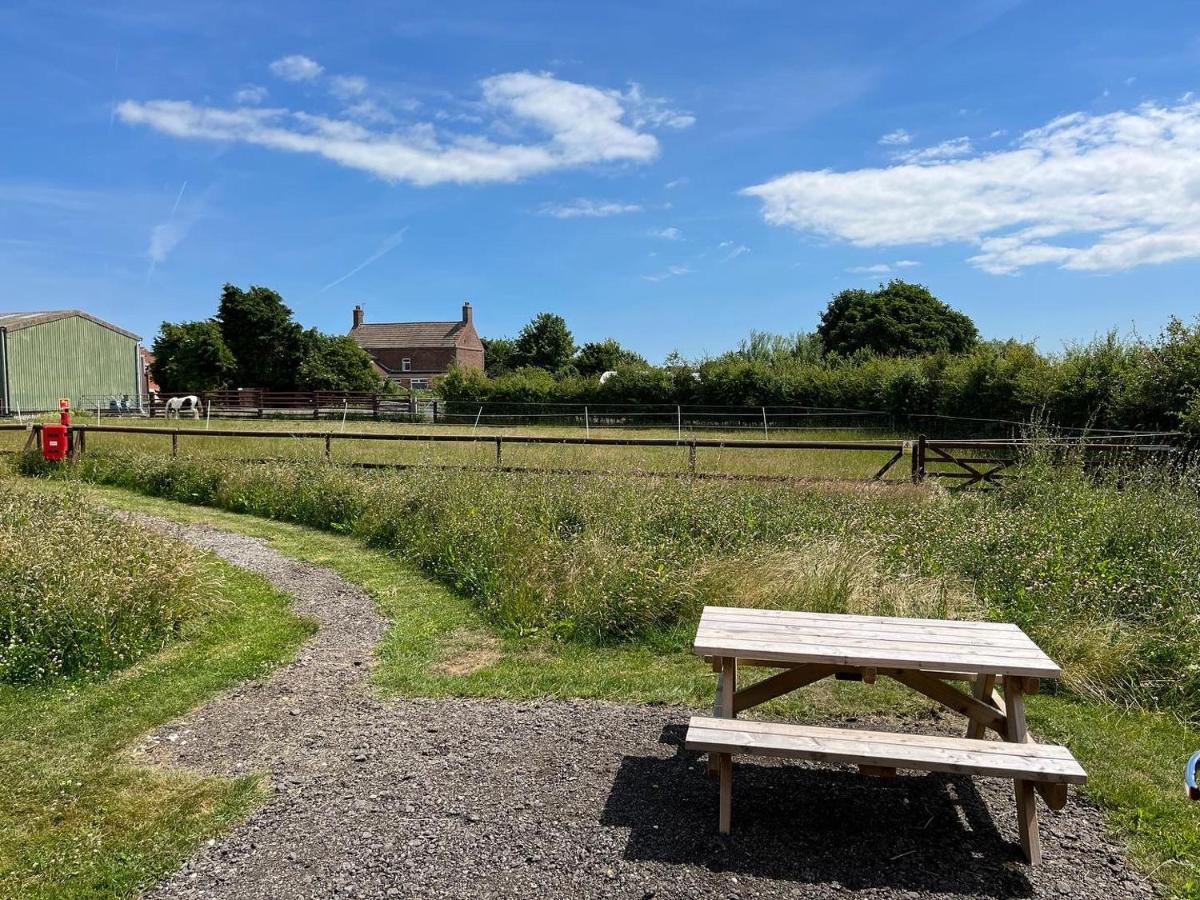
{"x":1106,"y":577}
{"x":84,"y":594}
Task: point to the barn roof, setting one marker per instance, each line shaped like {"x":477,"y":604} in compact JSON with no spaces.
{"x":402,"y":335}
{"x":15,"y":321}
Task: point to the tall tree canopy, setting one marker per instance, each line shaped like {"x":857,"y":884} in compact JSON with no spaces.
{"x":498,"y":355}
{"x":597,"y":357}
{"x":898,"y":319}
{"x":545,"y":342}
{"x":192,"y":356}
{"x":258,"y":328}
{"x":253,"y":342}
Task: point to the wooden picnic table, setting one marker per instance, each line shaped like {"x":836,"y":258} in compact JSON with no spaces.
{"x":929,"y":656}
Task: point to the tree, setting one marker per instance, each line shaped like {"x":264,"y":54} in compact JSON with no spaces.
{"x":336,"y":363}
{"x":192,"y":356}
{"x":258,"y":329}
{"x":596,"y":357}
{"x":545,"y":342}
{"x":899,"y":319}
{"x":498,"y":355}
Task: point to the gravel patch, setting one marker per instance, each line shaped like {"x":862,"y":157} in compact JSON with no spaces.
{"x":467,"y":798}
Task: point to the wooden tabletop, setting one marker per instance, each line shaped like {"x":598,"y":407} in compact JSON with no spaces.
{"x":931,"y":645}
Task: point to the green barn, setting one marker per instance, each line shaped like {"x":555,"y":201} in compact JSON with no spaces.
{"x":66,"y":353}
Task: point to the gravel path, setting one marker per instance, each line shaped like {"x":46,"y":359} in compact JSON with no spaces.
{"x":422,"y":798}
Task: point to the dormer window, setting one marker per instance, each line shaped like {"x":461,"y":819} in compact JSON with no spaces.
{"x":406,"y":365}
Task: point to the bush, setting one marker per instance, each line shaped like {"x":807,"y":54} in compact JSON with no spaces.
{"x":81,"y":593}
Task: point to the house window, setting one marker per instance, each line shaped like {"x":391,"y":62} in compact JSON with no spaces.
{"x":406,"y":365}
{"x":419,"y":384}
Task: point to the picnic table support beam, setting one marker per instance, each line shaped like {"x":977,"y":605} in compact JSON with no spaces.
{"x":1017,"y":733}
{"x":952,"y":697}
{"x":779,"y":684}
{"x":982,"y":691}
{"x":725,"y":760}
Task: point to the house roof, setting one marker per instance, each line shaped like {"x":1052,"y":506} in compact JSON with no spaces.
{"x":15,"y":321}
{"x":403,"y":335}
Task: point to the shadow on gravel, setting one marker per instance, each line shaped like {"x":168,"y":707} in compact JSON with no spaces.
{"x":821,"y":826}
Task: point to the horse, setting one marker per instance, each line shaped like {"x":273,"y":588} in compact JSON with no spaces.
{"x":176,"y":406}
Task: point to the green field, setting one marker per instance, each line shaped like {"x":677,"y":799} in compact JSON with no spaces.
{"x":847,"y":464}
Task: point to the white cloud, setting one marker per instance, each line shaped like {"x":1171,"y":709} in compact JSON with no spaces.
{"x":296,"y":68}
{"x":346,"y":87}
{"x":653,"y":111}
{"x":370,"y":112}
{"x":896,"y":138}
{"x":670,"y":233}
{"x":678,"y":182}
{"x":732,"y":250}
{"x":587,"y":209}
{"x":959,"y":146}
{"x":250,"y":95}
{"x":165,"y":236}
{"x":905,"y":263}
{"x":877,"y":269}
{"x":572,"y":125}
{"x":1084,"y":192}
{"x":668,"y":272}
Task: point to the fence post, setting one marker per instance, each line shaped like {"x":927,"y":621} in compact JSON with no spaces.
{"x":328,"y":447}
{"x":765,"y":435}
{"x":499,"y":444}
{"x":678,"y":422}
{"x":316,"y":403}
{"x":919,"y":459}
{"x":174,"y":443}
{"x":587,"y":428}
{"x":692,"y":457}
{"x":375,"y":406}
{"x":435,"y":403}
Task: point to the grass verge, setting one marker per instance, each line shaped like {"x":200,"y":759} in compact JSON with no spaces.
{"x":439,"y":645}
{"x":77,"y":817}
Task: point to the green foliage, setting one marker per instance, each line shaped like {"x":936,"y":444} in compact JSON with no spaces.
{"x":192,"y":356}
{"x":499,"y":355}
{"x":258,"y":328}
{"x":597,"y":357}
{"x":898,"y":319}
{"x":83,"y":594}
{"x":545,"y":342}
{"x":609,"y":559}
{"x":336,"y":363}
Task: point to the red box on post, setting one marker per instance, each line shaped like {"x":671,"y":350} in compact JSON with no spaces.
{"x":54,"y":442}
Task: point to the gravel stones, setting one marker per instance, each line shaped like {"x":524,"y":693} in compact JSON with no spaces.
{"x":480,"y":798}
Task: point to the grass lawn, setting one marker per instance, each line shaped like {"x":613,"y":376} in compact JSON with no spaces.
{"x":77,"y":817}
{"x":439,"y":646}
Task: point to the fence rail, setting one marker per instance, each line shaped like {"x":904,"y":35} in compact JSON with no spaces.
{"x":965,"y":464}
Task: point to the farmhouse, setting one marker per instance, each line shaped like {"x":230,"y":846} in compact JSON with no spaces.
{"x":65,"y":353}
{"x":413,"y":354}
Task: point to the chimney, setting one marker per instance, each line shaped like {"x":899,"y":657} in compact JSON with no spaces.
{"x":466,"y":312}
{"x":358,"y":316}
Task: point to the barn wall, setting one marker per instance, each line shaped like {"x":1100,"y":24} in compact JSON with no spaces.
{"x":68,"y":358}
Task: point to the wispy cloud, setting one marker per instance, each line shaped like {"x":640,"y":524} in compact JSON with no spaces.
{"x":1083,"y":192}
{"x":959,"y":146}
{"x":344,"y":87}
{"x":250,"y":95}
{"x":165,"y":236}
{"x":390,"y":243}
{"x":583,"y":125}
{"x":896,"y":138}
{"x":678,"y":182}
{"x":883,"y":268}
{"x":585,"y":208}
{"x":670,"y":233}
{"x":668,"y":272}
{"x":296,"y":68}
{"x":732,"y":250}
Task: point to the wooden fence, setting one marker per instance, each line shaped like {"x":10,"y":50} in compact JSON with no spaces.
{"x":964,"y":464}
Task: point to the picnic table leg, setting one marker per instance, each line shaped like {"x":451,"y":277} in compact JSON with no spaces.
{"x":725,"y":764}
{"x":726,"y":669}
{"x":1027,"y":823}
{"x":982,"y":691}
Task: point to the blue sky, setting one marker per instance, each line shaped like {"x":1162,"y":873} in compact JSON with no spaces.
{"x":673,"y":175}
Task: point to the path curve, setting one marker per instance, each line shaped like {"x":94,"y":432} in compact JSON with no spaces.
{"x":470,"y":798}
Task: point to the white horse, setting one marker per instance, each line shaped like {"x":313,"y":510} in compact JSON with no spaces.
{"x":176,"y":406}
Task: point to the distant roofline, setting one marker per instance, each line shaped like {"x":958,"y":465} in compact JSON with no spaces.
{"x":28,"y":319}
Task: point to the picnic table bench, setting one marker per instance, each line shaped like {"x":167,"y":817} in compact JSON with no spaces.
{"x":927,"y":655}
